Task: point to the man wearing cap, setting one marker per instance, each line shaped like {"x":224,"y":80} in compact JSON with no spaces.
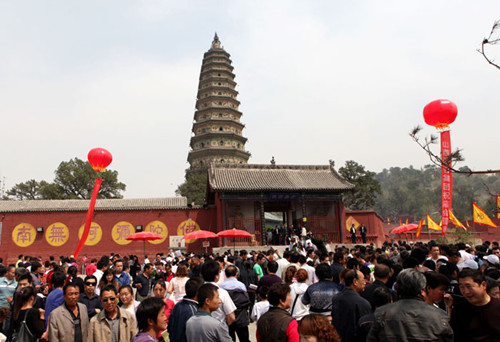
{"x":492,"y":261}
{"x":475,"y":319}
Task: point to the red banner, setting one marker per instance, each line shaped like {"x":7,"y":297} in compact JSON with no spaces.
{"x":446,"y":180}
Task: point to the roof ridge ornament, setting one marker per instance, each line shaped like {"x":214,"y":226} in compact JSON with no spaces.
{"x":216,"y":42}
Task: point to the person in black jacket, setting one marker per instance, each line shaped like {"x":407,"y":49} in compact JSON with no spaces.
{"x":238,"y":292}
{"x":183,"y":310}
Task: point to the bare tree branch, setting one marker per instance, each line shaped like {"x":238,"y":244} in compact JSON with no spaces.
{"x":450,"y":161}
{"x":492,"y":39}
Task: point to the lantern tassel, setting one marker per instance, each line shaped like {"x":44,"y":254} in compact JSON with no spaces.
{"x":88,"y":220}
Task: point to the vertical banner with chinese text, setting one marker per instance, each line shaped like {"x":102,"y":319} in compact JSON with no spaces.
{"x":446,"y":180}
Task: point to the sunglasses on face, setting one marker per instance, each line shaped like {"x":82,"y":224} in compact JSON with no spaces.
{"x":90,"y":284}
{"x":112,"y":299}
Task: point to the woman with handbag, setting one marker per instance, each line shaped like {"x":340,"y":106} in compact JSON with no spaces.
{"x":29,"y":323}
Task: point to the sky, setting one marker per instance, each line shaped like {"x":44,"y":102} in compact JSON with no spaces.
{"x":317,"y":81}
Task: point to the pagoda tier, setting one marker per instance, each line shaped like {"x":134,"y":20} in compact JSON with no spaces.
{"x":217,"y":130}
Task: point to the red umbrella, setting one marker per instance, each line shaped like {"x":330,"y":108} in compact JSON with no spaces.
{"x":199,"y":234}
{"x":144,"y":236}
{"x":404,"y":228}
{"x":234,"y":233}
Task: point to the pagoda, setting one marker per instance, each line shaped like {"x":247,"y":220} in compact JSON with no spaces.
{"x":217,"y":130}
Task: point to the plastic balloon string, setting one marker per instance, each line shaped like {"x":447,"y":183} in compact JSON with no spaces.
{"x":88,"y":220}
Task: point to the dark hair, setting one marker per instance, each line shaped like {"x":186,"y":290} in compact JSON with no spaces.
{"x":160,"y":282}
{"x":70,"y":284}
{"x":349,"y":277}
{"x":302,"y":259}
{"x":231,"y":271}
{"x":72,"y":271}
{"x":192,"y":286}
{"x":26,"y":276}
{"x":323,"y":271}
{"x":290,"y":273}
{"x":294,"y":258}
{"x":272,"y":266}
{"x":277,"y":292}
{"x":435,"y":279}
{"x":109,"y":288}
{"x":58,"y":279}
{"x":117,"y":260}
{"x":102,"y":263}
{"x":262,"y":291}
{"x":410,"y":262}
{"x":352,"y":263}
{"x":90,"y":277}
{"x":148,"y":309}
{"x":148,"y":266}
{"x":476,"y":275}
{"x":209,"y":270}
{"x":381,"y":296}
{"x":21,"y":298}
{"x":35,"y":266}
{"x":430,"y":264}
{"x":126,"y":287}
{"x":338,"y":256}
{"x":491,"y":284}
{"x":381,"y":271}
{"x":206,"y":291}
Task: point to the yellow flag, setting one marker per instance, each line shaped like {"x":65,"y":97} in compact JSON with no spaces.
{"x":498,"y":207}
{"x":433,"y":225}
{"x":349,"y":222}
{"x":480,"y":216}
{"x":406,"y":221}
{"x":455,"y":221}
{"x":419,"y":229}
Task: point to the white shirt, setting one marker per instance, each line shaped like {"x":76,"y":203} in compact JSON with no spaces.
{"x":259,"y":309}
{"x":311,"y":272}
{"x":226,"y":307}
{"x":299,"y":310}
{"x":98,"y":274}
{"x":282,"y":264}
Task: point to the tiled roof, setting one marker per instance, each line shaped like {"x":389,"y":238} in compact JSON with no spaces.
{"x":275,"y":177}
{"x":101,"y":204}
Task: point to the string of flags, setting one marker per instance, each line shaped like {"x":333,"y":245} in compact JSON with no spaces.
{"x":478,"y":214}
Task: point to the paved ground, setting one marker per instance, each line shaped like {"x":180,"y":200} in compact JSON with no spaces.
{"x":253,"y":329}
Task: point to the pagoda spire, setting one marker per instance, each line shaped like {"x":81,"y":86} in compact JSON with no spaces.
{"x":216,"y":42}
{"x":217,"y":128}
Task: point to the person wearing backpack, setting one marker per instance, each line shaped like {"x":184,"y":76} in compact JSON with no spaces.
{"x":29,"y":323}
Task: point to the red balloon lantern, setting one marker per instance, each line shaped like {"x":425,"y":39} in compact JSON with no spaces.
{"x":99,"y":158}
{"x":440,"y":113}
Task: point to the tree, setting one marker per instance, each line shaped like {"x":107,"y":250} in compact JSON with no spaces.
{"x":366,"y":186}
{"x":194,"y":187}
{"x":29,"y":190}
{"x":74,"y":180}
{"x":493,"y":39}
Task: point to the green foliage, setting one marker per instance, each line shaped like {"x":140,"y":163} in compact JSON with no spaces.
{"x":268,"y":228}
{"x":74,"y":180}
{"x":415,"y":193}
{"x":194,"y":187}
{"x":462,"y":236}
{"x":367,"y":186}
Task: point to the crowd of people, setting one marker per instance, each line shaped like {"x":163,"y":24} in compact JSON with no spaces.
{"x":397,"y":292}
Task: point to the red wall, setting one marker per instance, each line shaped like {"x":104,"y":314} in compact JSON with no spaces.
{"x":373,"y":223}
{"x":9,"y":251}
